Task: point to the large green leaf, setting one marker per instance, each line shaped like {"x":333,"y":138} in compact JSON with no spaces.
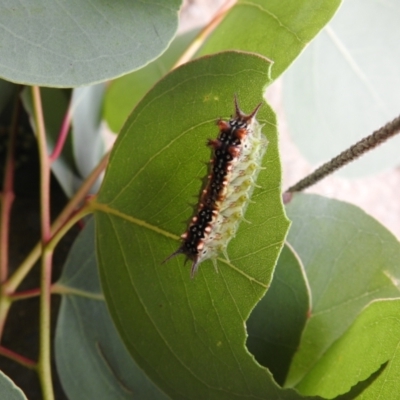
{"x":372,"y":340}
{"x":350,"y":260}
{"x":276,"y":323}
{"x":358,"y":54}
{"x":188,"y":335}
{"x":92,"y":362}
{"x":276,"y":29}
{"x":124,"y":93}
{"x":8,"y":389}
{"x":71,"y":43}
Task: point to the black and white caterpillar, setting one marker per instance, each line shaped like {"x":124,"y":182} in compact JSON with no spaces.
{"x":237,"y":153}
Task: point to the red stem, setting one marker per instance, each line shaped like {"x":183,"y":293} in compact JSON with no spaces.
{"x":8,"y":195}
{"x":26,"y":362}
{"x":62,"y":137}
{"x":25,"y":294}
{"x":44,"y":168}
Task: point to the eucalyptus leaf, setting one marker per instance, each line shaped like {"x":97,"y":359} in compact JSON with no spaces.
{"x":372,"y":340}
{"x":73,"y":43}
{"x":92,"y":362}
{"x":301,"y":21}
{"x":276,"y":323}
{"x":276,"y":29}
{"x":124,"y":93}
{"x":8,"y":389}
{"x":350,"y":260}
{"x":346,"y":84}
{"x":188,"y":335}
{"x":88,"y":143}
{"x":359,"y":390}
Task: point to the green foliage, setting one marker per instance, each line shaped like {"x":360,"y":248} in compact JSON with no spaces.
{"x":125,"y":92}
{"x":277,"y":30}
{"x":371,"y":341}
{"x":276,"y":323}
{"x":139,"y":217}
{"x":350,"y":261}
{"x":86,"y":105}
{"x":85,"y":329}
{"x":315,"y":316}
{"x":8,"y":389}
{"x":359,"y":57}
{"x":69,"y":44}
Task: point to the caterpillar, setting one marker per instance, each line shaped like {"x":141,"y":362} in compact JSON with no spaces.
{"x":237,"y":153}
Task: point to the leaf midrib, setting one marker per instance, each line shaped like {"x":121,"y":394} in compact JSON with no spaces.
{"x":95,"y":206}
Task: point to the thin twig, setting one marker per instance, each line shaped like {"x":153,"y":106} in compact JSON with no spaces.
{"x":67,"y":226}
{"x":205,"y":33}
{"x":26,"y":294}
{"x":8,"y":195}
{"x":353,"y":152}
{"x":62,"y":137}
{"x":26,"y":362}
{"x":44,"y":166}
{"x":70,"y":291}
{"x":44,"y":363}
{"x":18,"y":276}
{"x":6,"y":204}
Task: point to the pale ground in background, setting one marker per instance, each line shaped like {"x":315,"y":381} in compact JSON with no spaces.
{"x":377,"y":195}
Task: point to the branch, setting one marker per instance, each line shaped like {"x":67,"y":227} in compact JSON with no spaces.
{"x":8,"y":195}
{"x":26,"y":362}
{"x":26,"y":294}
{"x":353,"y":152}
{"x":62,"y":136}
{"x":205,"y":33}
{"x":18,"y":276}
{"x":44,"y":363}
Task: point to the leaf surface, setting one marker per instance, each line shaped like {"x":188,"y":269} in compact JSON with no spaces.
{"x":276,"y":323}
{"x":73,"y":43}
{"x":277,"y":30}
{"x":372,"y":340}
{"x":88,"y":143}
{"x":85,"y":332}
{"x":359,"y":57}
{"x":124,"y":93}
{"x":188,"y":335}
{"x":350,"y":260}
{"x":8,"y":389}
